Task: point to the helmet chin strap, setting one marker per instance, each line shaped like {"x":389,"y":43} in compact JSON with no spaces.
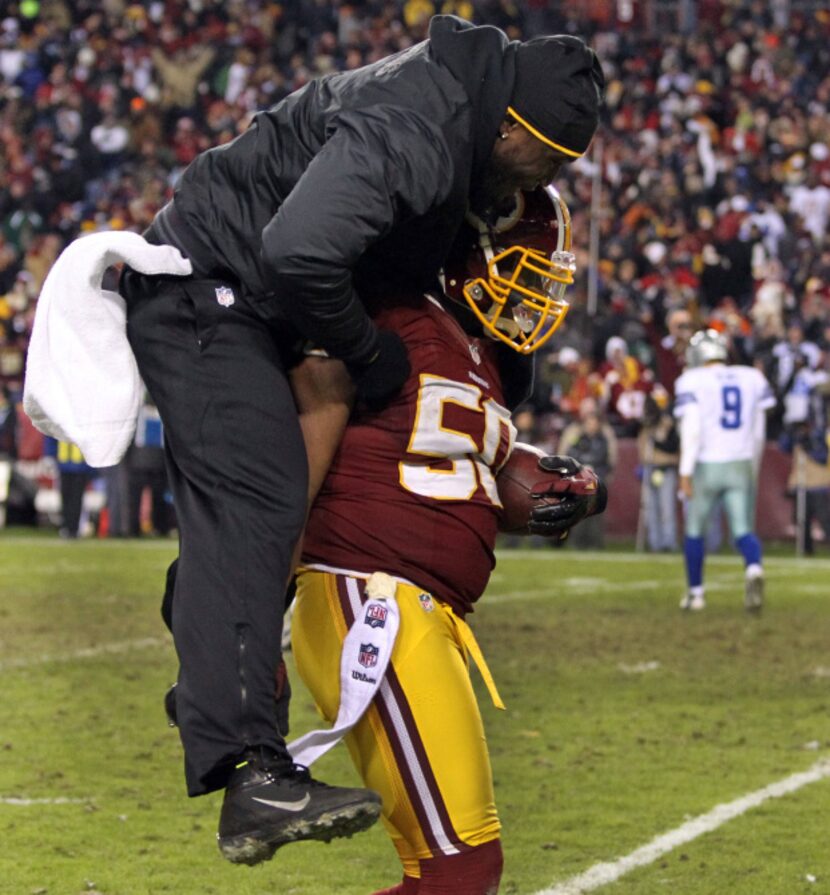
{"x":505,"y":324}
{"x":485,"y":242}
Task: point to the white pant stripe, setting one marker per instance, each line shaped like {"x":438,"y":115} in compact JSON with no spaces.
{"x":412,"y":763}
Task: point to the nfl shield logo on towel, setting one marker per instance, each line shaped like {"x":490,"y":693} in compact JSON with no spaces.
{"x":368,"y":656}
{"x":375,"y":616}
{"x":225,"y":296}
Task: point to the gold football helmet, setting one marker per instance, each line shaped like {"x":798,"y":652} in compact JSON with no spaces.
{"x":513,"y":273}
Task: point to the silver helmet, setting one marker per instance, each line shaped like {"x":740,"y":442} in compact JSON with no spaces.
{"x":706,"y":346}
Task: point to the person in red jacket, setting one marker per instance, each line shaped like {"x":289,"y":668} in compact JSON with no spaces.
{"x":625,"y":384}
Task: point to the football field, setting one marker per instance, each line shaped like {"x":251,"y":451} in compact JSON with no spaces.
{"x":643,"y":750}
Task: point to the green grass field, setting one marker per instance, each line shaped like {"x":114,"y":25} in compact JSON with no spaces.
{"x":626,"y":720}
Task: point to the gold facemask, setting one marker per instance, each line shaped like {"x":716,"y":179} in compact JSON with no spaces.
{"x":520,"y":301}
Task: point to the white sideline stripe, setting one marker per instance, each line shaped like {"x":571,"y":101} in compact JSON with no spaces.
{"x":90,"y":652}
{"x":609,"y":872}
{"x":61,"y":800}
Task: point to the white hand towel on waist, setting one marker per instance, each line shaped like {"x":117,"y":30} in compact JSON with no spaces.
{"x":82,"y":383}
{"x":365,"y":657}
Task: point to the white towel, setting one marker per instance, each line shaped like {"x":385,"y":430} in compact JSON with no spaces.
{"x":367,"y":650}
{"x":82,"y":383}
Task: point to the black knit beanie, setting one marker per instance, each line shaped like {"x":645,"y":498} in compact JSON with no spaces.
{"x":558,"y":91}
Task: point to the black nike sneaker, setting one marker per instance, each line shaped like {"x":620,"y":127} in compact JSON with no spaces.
{"x":270,"y":801}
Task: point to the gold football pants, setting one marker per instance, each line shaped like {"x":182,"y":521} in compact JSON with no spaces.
{"x":421,"y":742}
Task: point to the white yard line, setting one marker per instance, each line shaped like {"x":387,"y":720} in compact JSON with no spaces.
{"x":25,"y":803}
{"x":90,"y":652}
{"x":609,"y":872}
{"x":600,"y":585}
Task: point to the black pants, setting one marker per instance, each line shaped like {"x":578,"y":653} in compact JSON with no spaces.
{"x":817,"y":508}
{"x":145,"y":471}
{"x":72,"y":486}
{"x":237,"y":469}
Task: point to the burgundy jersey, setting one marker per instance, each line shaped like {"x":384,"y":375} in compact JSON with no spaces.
{"x":412,"y":489}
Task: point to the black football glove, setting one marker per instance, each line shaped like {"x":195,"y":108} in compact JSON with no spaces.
{"x":379,"y":380}
{"x":565,"y":466}
{"x":582,"y":494}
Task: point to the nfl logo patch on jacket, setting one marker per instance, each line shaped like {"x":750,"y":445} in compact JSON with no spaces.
{"x":225,"y":296}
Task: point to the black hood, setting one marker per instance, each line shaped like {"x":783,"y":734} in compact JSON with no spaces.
{"x":483,"y":59}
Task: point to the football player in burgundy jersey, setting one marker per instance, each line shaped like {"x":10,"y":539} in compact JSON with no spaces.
{"x":412,"y":493}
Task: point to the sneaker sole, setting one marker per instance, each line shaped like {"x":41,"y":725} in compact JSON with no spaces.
{"x":260,"y":845}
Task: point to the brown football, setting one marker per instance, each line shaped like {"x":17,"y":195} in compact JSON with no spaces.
{"x":517,"y":480}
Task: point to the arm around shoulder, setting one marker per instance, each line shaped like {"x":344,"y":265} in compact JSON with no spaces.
{"x":378,"y":169}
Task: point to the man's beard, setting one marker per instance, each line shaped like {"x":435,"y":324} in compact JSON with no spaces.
{"x":494,"y":196}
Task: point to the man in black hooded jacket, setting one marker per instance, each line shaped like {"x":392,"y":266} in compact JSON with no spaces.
{"x":350,"y":186}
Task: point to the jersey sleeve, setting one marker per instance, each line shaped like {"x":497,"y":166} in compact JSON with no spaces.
{"x":684,"y":396}
{"x":690,"y":438}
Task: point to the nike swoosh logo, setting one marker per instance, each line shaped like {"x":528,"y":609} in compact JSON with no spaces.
{"x":286,"y":806}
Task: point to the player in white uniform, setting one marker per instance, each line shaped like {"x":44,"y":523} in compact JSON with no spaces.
{"x":722,"y":413}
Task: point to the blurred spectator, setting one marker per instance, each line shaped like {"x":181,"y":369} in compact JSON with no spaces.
{"x":583,"y":381}
{"x":815,"y":312}
{"x":625,"y":384}
{"x":658,"y":447}
{"x":728,"y":318}
{"x":593,"y":443}
{"x":146,"y":470}
{"x":180,"y":73}
{"x":555,"y":371}
{"x":74,"y":475}
{"x":524,"y":419}
{"x":796,"y":361}
{"x":773,"y":301}
{"x":670,"y":350}
{"x":8,"y":449}
{"x":808,"y":440}
{"x":116,"y":513}
{"x":110,"y":138}
{"x":811,"y":202}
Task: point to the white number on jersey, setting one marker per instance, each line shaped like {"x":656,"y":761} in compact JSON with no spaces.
{"x":471,"y":465}
{"x":728,"y":401}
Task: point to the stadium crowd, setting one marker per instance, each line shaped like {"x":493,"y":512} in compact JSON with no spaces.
{"x":708,"y":191}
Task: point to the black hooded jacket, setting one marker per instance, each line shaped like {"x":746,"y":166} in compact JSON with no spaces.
{"x":354,"y":184}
